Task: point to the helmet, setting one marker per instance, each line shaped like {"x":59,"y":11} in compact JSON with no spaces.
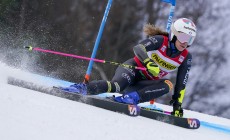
{"x":184,"y":29}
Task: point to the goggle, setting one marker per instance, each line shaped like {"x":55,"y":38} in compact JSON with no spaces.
{"x":182,"y":37}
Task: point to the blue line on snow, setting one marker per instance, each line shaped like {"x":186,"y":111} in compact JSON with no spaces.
{"x":221,"y":128}
{"x":49,"y":81}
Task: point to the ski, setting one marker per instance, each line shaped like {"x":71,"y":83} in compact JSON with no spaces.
{"x":105,"y":103}
{"x":163,"y":116}
{"x":108,"y":104}
{"x":132,"y":110}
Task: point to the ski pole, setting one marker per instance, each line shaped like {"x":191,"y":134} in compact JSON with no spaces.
{"x":30,"y":48}
{"x":90,"y":66}
{"x":171,"y":13}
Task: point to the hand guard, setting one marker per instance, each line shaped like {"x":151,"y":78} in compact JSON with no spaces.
{"x":152,"y":68}
{"x":177,"y":109}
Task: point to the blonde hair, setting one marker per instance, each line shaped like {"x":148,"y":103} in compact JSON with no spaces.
{"x":151,"y":30}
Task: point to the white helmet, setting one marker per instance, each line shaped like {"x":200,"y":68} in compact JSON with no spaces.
{"x":184,"y":29}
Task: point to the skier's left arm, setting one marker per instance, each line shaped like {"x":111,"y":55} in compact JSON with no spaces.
{"x":182,"y":78}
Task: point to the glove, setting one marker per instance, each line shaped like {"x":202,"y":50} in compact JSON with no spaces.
{"x":177,"y":109}
{"x":152,"y":68}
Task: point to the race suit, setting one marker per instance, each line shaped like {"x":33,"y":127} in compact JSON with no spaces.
{"x":158,"y":49}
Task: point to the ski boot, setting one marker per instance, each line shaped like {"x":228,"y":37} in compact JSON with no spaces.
{"x":130,"y":98}
{"x":80,"y":88}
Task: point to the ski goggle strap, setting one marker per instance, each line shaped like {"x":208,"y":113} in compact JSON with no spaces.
{"x":182,"y":37}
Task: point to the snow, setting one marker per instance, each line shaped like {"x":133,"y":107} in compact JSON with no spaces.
{"x":27,"y":114}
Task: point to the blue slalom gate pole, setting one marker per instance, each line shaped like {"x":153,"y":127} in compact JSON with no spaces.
{"x":168,"y":26}
{"x":171,"y":13}
{"x":90,"y":66}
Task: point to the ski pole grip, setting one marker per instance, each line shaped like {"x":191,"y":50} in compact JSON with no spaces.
{"x":30,"y":48}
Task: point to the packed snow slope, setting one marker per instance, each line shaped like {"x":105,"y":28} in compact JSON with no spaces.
{"x":27,"y":114}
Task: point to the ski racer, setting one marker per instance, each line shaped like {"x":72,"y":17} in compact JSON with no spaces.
{"x":161,"y":53}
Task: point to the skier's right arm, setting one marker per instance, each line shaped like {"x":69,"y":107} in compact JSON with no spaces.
{"x":149,"y":44}
{"x":141,"y":50}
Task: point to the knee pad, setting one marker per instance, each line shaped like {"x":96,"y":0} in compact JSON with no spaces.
{"x":170,"y":84}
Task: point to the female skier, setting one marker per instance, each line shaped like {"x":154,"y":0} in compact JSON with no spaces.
{"x":161,"y":53}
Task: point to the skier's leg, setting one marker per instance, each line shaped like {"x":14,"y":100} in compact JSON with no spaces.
{"x":145,"y":91}
{"x":123,"y":77}
{"x":149,"y":90}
